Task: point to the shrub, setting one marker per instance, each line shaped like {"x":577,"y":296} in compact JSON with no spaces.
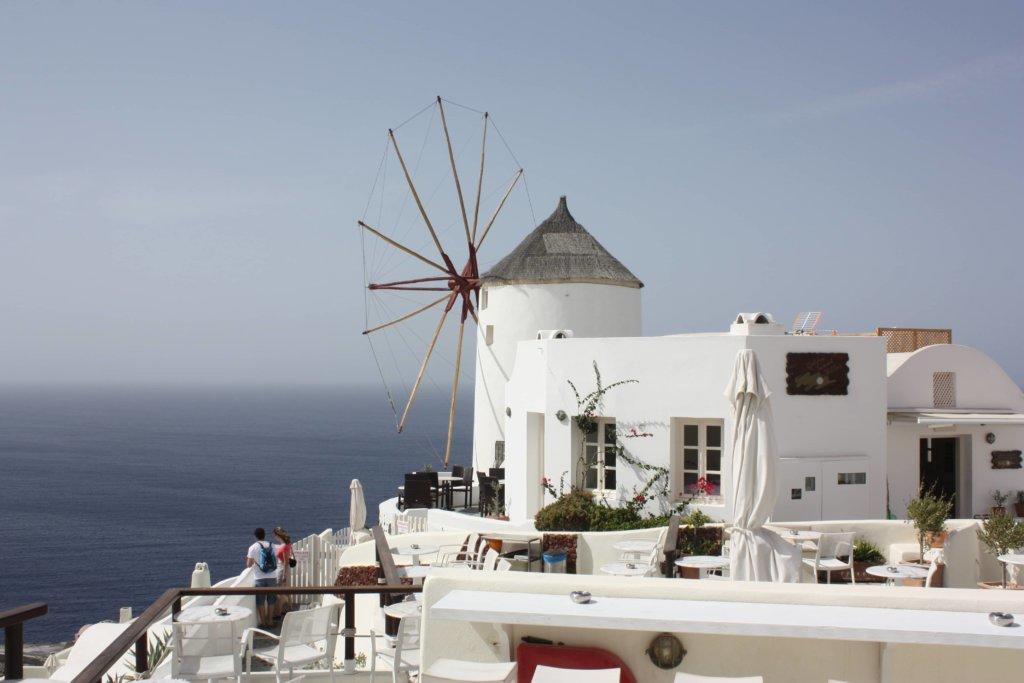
{"x":578,"y":511}
{"x":866,"y":551}
{"x":571,"y":512}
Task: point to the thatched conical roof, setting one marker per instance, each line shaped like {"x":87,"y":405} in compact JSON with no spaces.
{"x":560,"y":250}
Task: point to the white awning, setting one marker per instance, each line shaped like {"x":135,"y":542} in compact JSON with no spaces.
{"x":935,"y":419}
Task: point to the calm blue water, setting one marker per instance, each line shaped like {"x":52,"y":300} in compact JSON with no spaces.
{"x":109,"y":496}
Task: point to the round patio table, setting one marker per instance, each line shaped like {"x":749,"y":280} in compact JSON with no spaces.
{"x":1016,"y":559}
{"x":414,"y":551}
{"x":704,"y":563}
{"x":901,"y":571}
{"x":801,"y":536}
{"x":625,"y":569}
{"x":208,"y":614}
{"x":404,"y":609}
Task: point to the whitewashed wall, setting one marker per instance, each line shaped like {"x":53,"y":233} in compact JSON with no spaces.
{"x":516,"y":313}
{"x":684,"y":377}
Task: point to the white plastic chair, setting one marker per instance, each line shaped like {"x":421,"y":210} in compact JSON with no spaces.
{"x":550,"y":674}
{"x":404,"y":657}
{"x":827,"y":554}
{"x":682,"y":677}
{"x":468,"y":554}
{"x":471,"y":672}
{"x":307,"y":636}
{"x":207,"y":650}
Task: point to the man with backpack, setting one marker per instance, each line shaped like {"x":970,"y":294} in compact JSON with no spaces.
{"x":263,"y":559}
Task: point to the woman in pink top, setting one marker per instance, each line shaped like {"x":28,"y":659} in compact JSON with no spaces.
{"x":285,"y":561}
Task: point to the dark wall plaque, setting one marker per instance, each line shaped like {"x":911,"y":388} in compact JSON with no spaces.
{"x":1006,"y":460}
{"x":817,"y":374}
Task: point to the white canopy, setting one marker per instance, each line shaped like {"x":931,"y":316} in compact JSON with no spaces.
{"x":756,"y":553}
{"x":933,"y":418}
{"x":356,"y":506}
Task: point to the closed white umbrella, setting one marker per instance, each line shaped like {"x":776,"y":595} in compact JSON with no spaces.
{"x":756,"y":553}
{"x":356,"y":506}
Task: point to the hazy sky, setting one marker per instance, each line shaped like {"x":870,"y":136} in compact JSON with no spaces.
{"x":179,"y":181}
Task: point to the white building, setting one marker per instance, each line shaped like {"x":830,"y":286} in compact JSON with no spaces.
{"x":857,"y":429}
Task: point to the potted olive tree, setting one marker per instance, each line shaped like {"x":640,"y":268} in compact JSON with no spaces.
{"x":1001,"y":534}
{"x":999,"y":499}
{"x":929,"y":512}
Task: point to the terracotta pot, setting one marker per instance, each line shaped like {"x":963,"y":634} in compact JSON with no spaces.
{"x":998,"y":511}
{"x":1018,"y":509}
{"x":689,"y":572}
{"x":936,"y":580}
{"x":495,"y":544}
{"x":938,"y":540}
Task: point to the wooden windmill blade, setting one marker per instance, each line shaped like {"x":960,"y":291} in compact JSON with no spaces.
{"x":459,"y":287}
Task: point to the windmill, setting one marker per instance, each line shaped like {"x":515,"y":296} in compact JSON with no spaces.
{"x":433,"y":268}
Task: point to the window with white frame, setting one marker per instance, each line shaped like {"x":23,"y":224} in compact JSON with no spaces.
{"x":599,"y":455}
{"x":698,"y":457}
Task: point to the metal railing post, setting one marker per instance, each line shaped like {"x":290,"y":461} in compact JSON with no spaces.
{"x":14,"y":651}
{"x":350,"y":632}
{"x":142,"y":654}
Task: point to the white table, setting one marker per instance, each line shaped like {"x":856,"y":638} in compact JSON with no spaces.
{"x":415,"y":552}
{"x":625,"y":569}
{"x":1016,"y":559}
{"x":903,"y":571}
{"x":704,"y":563}
{"x":404,"y":609}
{"x":207,"y":614}
{"x":653,"y":615}
{"x":801,"y":536}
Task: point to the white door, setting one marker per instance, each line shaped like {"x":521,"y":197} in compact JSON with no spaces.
{"x":799,"y":490}
{"x":812,"y":489}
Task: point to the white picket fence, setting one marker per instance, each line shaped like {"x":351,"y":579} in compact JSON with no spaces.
{"x":317,"y":560}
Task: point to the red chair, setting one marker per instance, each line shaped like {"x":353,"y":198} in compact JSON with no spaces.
{"x":529,"y":655}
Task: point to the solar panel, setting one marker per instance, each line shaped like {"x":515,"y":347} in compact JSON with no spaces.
{"x":806,"y":322}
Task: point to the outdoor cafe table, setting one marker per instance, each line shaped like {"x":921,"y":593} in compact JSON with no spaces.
{"x":1016,"y":559}
{"x":625,"y":569}
{"x":207,"y":614}
{"x":703,"y":562}
{"x":902,"y":571}
{"x":801,"y":536}
{"x":445,"y":481}
{"x":882,"y":625}
{"x":415,"y":551}
{"x":404,"y":609}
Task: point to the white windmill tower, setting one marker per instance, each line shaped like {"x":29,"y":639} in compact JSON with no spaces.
{"x":559,"y":281}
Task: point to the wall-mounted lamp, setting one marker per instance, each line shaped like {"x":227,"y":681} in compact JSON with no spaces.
{"x":990,"y":438}
{"x":561,"y":415}
{"x":508,"y":412}
{"x":666,"y":651}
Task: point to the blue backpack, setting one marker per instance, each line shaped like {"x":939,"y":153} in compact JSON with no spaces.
{"x":267,"y":562}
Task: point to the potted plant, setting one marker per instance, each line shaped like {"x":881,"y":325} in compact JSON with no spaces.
{"x":999,"y":498}
{"x":1001,"y":534}
{"x":929,"y":512}
{"x":1018,"y":506}
{"x":866,"y":554}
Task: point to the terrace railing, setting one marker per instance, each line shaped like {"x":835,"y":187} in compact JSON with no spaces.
{"x":12,"y":621}
{"x":136,"y":633}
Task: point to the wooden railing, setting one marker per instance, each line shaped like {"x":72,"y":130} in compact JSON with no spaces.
{"x":136,"y":633}
{"x":12,"y":622}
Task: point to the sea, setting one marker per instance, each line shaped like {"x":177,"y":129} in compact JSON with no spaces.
{"x":109,"y":496}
